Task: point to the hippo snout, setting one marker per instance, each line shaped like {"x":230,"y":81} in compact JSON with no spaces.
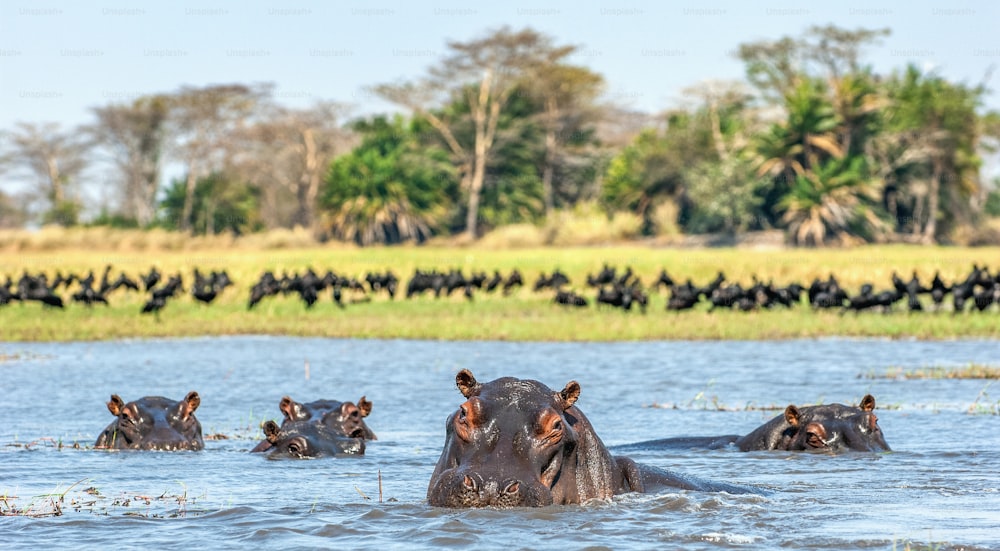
{"x":472,"y":489}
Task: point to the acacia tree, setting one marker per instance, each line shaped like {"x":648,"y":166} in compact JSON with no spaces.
{"x":136,"y":135}
{"x":291,"y":150}
{"x":55,"y":159}
{"x":203,"y":121}
{"x":567,"y":94}
{"x":497,"y":64}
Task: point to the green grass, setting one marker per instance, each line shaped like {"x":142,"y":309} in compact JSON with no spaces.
{"x":522,"y":316}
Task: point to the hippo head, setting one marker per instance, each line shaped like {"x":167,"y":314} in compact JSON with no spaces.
{"x":153,"y":423}
{"x":834,"y":427}
{"x":305,"y":439}
{"x":516,"y":442}
{"x":343,"y":418}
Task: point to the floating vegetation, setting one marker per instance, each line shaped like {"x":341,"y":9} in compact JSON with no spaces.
{"x":91,"y":500}
{"x":970,"y":371}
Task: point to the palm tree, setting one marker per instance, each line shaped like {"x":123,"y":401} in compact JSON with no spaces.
{"x":833,"y":203}
{"x":386,"y":190}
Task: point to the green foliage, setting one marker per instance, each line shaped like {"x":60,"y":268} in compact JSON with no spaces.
{"x":114,"y":220}
{"x":219,"y":204}
{"x":992,"y":207}
{"x":63,"y":213}
{"x":651,"y":170}
{"x":833,"y":203}
{"x":726,"y":196}
{"x":391,"y":188}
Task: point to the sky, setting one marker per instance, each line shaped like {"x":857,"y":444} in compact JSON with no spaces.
{"x":60,"y":59}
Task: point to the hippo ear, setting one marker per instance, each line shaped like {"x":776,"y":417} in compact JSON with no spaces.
{"x":792,"y":415}
{"x":567,"y":396}
{"x":271,"y":432}
{"x":867,"y":403}
{"x":190,"y":403}
{"x":365,"y":407}
{"x":115,"y":405}
{"x":290,"y":408}
{"x":467,"y":383}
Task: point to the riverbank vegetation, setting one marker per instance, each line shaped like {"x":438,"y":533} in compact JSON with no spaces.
{"x":508,"y":135}
{"x":524,"y":315}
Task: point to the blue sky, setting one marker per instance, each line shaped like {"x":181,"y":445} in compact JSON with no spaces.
{"x":58,"y":59}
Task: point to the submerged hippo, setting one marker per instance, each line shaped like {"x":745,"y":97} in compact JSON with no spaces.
{"x":153,"y":423}
{"x":339,"y":418}
{"x":516,"y":442}
{"x":823,"y":428}
{"x":344,"y":418}
{"x":305,"y":439}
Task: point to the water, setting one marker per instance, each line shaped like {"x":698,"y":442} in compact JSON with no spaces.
{"x":938,"y":489}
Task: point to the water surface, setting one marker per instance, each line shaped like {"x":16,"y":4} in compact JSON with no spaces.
{"x":939,"y":488}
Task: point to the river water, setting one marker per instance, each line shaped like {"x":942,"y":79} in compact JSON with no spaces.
{"x":939,"y":488}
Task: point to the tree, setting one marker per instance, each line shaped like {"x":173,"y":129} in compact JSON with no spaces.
{"x":567,"y":94}
{"x":54,"y":159}
{"x":932,"y":131}
{"x":497,"y":63}
{"x":203,"y":121}
{"x":390,"y":188}
{"x":291,"y":150}
{"x":136,"y":135}
{"x":831,"y":203}
{"x":652,"y":170}
{"x":219,"y":203}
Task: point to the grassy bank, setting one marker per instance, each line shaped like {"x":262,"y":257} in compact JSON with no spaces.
{"x":522,"y":316}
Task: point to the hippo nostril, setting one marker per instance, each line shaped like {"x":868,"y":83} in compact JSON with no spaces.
{"x":470,"y":484}
{"x":357,"y":433}
{"x":512,"y":488}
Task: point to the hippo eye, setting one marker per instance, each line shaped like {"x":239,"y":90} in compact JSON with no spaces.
{"x":815,"y":441}
{"x":297,"y":447}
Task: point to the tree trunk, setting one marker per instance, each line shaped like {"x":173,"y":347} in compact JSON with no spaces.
{"x":933,"y":200}
{"x":551,"y":114}
{"x":308,"y":188}
{"x":475,"y":190}
{"x":479,"y":158}
{"x":185,"y":221}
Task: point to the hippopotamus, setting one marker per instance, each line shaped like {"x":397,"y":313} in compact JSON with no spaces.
{"x":344,"y":418}
{"x":516,"y":442}
{"x":153,"y":423}
{"x":823,"y":428}
{"x":341,"y":418}
{"x":306,"y":439}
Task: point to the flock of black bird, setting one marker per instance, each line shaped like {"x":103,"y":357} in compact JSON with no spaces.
{"x":978,"y":291}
